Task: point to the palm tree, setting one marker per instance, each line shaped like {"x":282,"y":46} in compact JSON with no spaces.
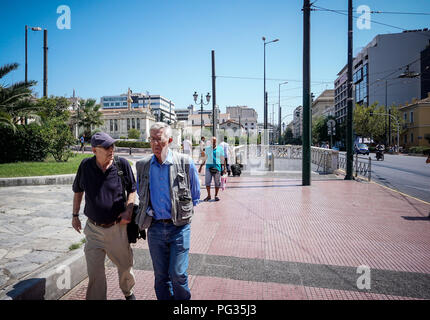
{"x":16,"y":100}
{"x":88,"y":115}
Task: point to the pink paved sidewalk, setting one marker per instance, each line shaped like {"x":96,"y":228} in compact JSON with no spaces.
{"x":335,"y":223}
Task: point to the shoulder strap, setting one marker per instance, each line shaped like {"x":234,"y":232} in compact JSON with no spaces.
{"x":121,"y":175}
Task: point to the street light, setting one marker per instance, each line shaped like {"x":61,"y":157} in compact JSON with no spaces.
{"x":208,"y":98}
{"x":26,"y":36}
{"x":279,"y":104}
{"x":45,"y":58}
{"x":398,"y":126}
{"x":265,"y":93}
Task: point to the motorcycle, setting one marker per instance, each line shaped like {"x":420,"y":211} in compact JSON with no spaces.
{"x":379,"y":155}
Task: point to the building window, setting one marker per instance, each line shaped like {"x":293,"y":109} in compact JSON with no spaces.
{"x":133,"y":123}
{"x":405,"y":116}
{"x":406,"y":138}
{"x":128,"y":124}
{"x":412,"y":137}
{"x":412,"y":116}
{"x":116,"y":124}
{"x":111,"y":125}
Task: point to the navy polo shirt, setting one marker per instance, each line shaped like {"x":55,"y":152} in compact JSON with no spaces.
{"x":103,"y":191}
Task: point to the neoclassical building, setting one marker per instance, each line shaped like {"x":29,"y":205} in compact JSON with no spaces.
{"x":129,"y":111}
{"x":118,"y":122}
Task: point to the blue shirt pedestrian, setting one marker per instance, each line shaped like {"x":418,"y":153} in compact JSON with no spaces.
{"x":159,"y":187}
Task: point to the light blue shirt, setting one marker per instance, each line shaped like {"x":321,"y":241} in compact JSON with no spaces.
{"x":214,"y":157}
{"x":159,"y":186}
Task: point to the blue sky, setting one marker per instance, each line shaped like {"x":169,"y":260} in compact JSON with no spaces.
{"x":164,"y":46}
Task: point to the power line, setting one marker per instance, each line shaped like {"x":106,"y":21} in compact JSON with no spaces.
{"x":373,"y":21}
{"x":257,"y":78}
{"x":412,"y":13}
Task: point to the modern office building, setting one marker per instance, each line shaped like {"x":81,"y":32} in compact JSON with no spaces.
{"x":388,"y":71}
{"x":340,"y":95}
{"x":244,"y":115}
{"x":183,"y":114}
{"x":298,"y":122}
{"x":162,"y":108}
{"x":425,"y":72}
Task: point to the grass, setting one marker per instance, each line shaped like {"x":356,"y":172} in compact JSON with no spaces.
{"x":45,"y":168}
{"x":77,"y":245}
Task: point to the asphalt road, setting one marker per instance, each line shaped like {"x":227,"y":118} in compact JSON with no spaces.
{"x":407,"y":174}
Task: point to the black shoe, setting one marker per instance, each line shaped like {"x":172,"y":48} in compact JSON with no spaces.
{"x":130,"y":297}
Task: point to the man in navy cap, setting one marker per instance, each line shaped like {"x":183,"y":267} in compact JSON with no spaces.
{"x":108,"y":216}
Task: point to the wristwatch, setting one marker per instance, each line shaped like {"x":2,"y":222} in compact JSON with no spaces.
{"x":75,"y":215}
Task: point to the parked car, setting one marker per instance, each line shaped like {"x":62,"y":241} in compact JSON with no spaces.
{"x":361,"y":148}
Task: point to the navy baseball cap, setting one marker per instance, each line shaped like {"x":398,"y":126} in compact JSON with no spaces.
{"x":101,"y":139}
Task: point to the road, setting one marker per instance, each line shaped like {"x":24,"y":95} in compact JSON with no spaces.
{"x":407,"y":174}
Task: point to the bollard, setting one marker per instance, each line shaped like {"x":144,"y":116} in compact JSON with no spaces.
{"x":370,"y":169}
{"x":130,"y":151}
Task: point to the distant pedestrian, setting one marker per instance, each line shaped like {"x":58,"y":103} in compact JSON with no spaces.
{"x":202,"y":146}
{"x":82,"y":140}
{"x":187,"y":147}
{"x":225,"y":146}
{"x":108,"y":215}
{"x":214,"y":162}
{"x":169,"y":188}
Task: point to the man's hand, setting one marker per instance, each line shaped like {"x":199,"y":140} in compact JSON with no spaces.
{"x":76,"y":224}
{"x":125,"y":217}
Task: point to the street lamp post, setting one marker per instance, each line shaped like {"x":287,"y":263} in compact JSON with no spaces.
{"x":45,"y":63}
{"x":265,"y":93}
{"x":398,"y":127}
{"x":208,"y":98}
{"x":26,"y":46}
{"x":280,"y":114}
{"x":408,"y":75}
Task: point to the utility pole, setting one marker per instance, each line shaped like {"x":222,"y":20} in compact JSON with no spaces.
{"x":306,"y":161}
{"x":349,"y":127}
{"x":45,"y":63}
{"x":214,"y":115}
{"x":26,"y":63}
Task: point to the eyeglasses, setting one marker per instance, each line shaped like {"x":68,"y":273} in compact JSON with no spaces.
{"x":157,"y":140}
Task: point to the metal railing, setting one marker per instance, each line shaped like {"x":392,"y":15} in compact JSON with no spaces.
{"x":326,"y":159}
{"x":362,"y":166}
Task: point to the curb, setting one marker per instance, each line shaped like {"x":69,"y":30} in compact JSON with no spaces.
{"x":51,"y":281}
{"x":37,"y":181}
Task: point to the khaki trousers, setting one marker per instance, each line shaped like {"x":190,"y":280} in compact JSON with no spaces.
{"x":112,"y":241}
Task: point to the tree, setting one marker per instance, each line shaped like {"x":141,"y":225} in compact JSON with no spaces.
{"x":15,"y":100}
{"x":133,"y":134}
{"x":369,"y":122}
{"x":54,"y":114}
{"x":88,"y":115}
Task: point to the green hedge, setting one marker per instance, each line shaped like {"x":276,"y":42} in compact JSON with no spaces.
{"x":27,"y":143}
{"x":423,"y":150}
{"x":133,"y":144}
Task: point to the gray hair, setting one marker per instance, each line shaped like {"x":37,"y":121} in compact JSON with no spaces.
{"x":167,"y":131}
